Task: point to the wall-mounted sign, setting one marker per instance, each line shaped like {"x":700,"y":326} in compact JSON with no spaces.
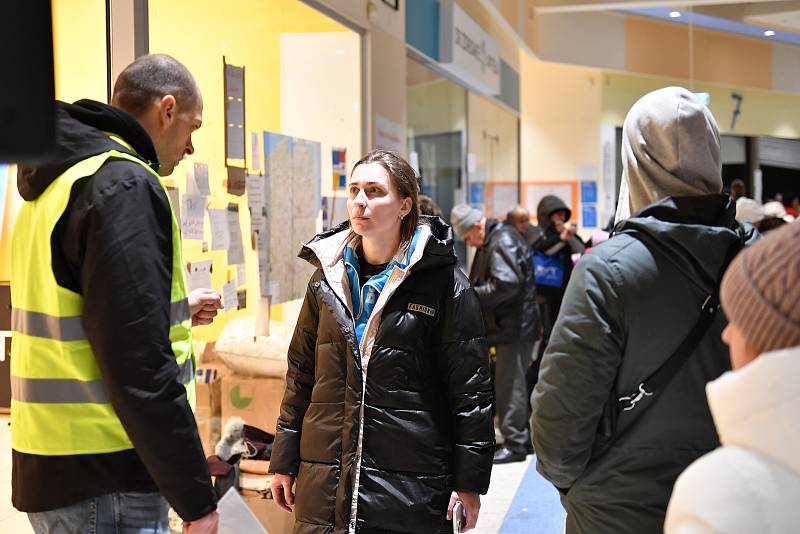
{"x":467,"y":51}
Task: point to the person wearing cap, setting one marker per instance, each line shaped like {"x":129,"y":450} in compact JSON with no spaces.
{"x":502,"y":275}
{"x":752,"y":481}
{"x":631,"y":302}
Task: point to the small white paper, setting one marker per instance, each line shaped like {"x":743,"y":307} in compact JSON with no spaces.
{"x":255,"y":161}
{"x":235,"y":517}
{"x":201,"y":178}
{"x":413,"y":160}
{"x":220,"y":235}
{"x":229,"y":299}
{"x":235,"y":246}
{"x":200,"y":275}
{"x":191,"y":184}
{"x":241,"y":275}
{"x":255,"y":194}
{"x":192,"y":216}
{"x":472,"y":162}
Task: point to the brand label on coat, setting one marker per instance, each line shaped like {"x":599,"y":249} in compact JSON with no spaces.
{"x":422,"y":309}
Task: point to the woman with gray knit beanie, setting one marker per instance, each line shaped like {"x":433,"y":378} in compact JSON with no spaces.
{"x":752,"y":483}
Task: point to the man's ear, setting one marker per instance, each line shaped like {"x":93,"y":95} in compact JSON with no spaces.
{"x":168,"y":109}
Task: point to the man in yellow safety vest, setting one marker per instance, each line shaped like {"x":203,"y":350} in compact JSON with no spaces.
{"x":102,"y":369}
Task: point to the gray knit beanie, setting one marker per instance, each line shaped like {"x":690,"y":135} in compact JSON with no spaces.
{"x":463,"y":217}
{"x":761,"y":290}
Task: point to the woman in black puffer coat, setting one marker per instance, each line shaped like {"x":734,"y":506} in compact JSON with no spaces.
{"x":386,"y":420}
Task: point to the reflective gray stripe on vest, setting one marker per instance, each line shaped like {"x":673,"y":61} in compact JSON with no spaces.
{"x":178,"y":311}
{"x":39,"y":324}
{"x":65,"y":390}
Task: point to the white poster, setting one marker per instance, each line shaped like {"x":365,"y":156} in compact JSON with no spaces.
{"x":199,"y":275}
{"x":220,"y":235}
{"x":229,"y":299}
{"x":192,"y":216}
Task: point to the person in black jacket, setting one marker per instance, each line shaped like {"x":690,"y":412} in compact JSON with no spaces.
{"x":502,"y":275}
{"x":552,"y":259}
{"x":386,"y":420}
{"x":113,"y":245}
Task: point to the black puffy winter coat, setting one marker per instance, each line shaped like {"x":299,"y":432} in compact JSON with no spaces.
{"x":502,"y":275}
{"x":380,"y":435}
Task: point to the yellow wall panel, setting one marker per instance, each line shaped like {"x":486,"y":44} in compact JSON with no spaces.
{"x":762,"y":112}
{"x":247,"y":33}
{"x":79,"y":47}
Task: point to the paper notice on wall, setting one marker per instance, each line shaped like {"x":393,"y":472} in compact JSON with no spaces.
{"x":220,"y":235}
{"x":192,"y":211}
{"x":255,"y":193}
{"x":255,"y":153}
{"x":235,"y":247}
{"x":241,"y":275}
{"x":199,"y":275}
{"x":229,"y":299}
{"x":201,"y":178}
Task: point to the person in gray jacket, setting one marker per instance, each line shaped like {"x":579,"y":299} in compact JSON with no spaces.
{"x":629,"y":304}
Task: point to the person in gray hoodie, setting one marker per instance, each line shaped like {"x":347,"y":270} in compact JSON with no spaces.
{"x":629,"y":305}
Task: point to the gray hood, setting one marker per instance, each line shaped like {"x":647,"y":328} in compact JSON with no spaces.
{"x":670,"y":148}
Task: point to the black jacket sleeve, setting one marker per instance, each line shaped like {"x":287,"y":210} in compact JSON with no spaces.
{"x":504,"y":276}
{"x":464,"y":361}
{"x":124,"y":229}
{"x":578,"y":371}
{"x":547,"y":241}
{"x":299,"y":384}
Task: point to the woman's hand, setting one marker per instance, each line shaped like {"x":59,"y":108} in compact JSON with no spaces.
{"x":472,"y":507}
{"x":281,"y":486}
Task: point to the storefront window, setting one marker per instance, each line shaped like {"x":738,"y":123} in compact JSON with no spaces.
{"x":302,"y":100}
{"x":436,"y":130}
{"x":493,"y":156}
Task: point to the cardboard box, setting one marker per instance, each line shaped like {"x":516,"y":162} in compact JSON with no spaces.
{"x":275,"y":520}
{"x":256,"y":400}
{"x":207,"y":413}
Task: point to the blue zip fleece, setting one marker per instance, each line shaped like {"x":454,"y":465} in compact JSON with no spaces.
{"x":364,"y":298}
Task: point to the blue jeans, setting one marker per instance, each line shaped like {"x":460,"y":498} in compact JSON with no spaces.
{"x":116,"y":513}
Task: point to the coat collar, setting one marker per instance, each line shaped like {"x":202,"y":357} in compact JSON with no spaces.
{"x":756,"y":407}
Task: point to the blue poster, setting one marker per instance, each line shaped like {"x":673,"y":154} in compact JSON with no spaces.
{"x":588,"y":192}
{"x":477,"y":193}
{"x":589,"y":216}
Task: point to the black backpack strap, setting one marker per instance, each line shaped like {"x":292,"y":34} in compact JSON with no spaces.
{"x":658,"y":380}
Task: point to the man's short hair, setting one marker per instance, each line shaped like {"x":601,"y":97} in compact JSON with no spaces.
{"x":149,"y":79}
{"x":518,"y":214}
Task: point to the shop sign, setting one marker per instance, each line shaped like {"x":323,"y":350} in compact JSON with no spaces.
{"x":467,"y":51}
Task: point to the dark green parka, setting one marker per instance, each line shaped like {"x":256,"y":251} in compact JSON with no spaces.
{"x":627,"y":308}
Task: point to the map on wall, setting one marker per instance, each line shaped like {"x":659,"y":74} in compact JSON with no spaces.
{"x":292,"y":184}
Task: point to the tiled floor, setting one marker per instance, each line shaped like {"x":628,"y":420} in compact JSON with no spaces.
{"x":495,"y":506}
{"x":11,"y":521}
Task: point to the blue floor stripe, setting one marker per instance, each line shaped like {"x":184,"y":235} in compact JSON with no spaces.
{"x":536,"y":508}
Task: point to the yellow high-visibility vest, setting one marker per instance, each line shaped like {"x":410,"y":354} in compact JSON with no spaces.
{"x":59,"y":404}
